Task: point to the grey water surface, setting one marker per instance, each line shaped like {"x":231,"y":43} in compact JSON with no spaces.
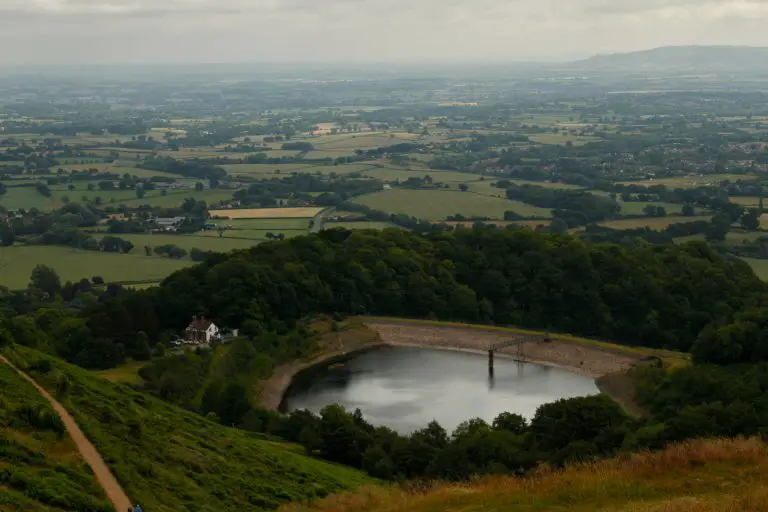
{"x":406,"y":388}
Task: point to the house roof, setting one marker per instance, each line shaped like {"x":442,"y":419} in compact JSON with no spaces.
{"x":200,"y":324}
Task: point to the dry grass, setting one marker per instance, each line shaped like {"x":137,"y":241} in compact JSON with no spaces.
{"x":266,"y":213}
{"x":698,"y":475}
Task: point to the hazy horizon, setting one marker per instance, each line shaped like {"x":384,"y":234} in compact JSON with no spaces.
{"x":45,"y":32}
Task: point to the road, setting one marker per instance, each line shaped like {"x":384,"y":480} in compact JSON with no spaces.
{"x":317,"y":226}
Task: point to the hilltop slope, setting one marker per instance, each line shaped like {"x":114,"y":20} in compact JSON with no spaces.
{"x":682,"y":59}
{"x":168,"y":459}
{"x":40,"y":468}
{"x":699,"y":475}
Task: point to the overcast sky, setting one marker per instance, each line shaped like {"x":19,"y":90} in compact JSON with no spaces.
{"x":117,"y":31}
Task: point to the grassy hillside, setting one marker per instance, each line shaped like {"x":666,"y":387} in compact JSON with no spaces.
{"x":168,"y":459}
{"x":699,"y":475}
{"x":39,"y":465}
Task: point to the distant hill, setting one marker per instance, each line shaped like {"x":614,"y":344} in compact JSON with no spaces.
{"x":682,"y":59}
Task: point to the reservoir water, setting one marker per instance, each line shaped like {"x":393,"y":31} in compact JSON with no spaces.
{"x":406,"y":388}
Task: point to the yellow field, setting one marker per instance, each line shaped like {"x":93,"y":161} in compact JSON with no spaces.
{"x":745,"y":201}
{"x":266,"y":213}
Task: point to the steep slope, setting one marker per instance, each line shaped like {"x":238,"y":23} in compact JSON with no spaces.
{"x":168,"y":459}
{"x":699,"y":475}
{"x":40,"y":468}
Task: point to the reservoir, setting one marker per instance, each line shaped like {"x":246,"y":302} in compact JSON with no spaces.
{"x":406,"y":388}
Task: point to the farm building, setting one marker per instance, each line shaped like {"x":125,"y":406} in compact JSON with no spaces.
{"x":201,"y":330}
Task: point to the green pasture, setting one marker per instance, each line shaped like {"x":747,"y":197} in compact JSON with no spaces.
{"x":17,"y":263}
{"x":210,"y":241}
{"x":439,"y":204}
{"x":691,"y":181}
{"x":360,"y":225}
{"x":391,"y":174}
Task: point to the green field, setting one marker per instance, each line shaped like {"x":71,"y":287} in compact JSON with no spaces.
{"x":286,"y":224}
{"x":360,"y":225}
{"x":48,"y":474}
{"x":354,"y":141}
{"x":175,"y":198}
{"x":439,"y":204}
{"x":556,"y":138}
{"x":264,"y":169}
{"x":17,"y":262}
{"x":759,"y":266}
{"x":25,"y":197}
{"x":168,"y":459}
{"x":209,"y":242}
{"x":393,"y":174}
{"x":690,"y":181}
{"x":29,"y":197}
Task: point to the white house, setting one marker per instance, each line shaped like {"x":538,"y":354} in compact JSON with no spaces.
{"x":201,"y":330}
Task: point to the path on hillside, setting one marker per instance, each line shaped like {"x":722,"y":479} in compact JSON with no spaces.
{"x":104,"y":476}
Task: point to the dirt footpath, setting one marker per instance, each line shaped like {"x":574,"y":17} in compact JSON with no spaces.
{"x":583,"y":359}
{"x":104,"y":476}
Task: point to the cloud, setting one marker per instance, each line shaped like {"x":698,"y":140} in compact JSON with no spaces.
{"x":364,"y":30}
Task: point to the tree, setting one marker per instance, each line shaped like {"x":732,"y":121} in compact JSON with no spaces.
{"x":688,"y":210}
{"x":750,"y":220}
{"x":91,"y":187}
{"x":142,"y":352}
{"x":510,"y":422}
{"x":557,"y":424}
{"x":199,"y":187}
{"x":148,"y":250}
{"x":558,"y":226}
{"x":46,"y":279}
{"x":140,"y":192}
{"x":651,"y":210}
{"x":7,"y":235}
{"x":43,"y":189}
{"x":463,"y":187}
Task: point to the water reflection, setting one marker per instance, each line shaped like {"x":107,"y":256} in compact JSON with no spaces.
{"x":405,"y":388}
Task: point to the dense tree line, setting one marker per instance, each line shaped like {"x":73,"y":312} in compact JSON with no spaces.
{"x":576,"y":208}
{"x":658,"y":296}
{"x":304,"y":187}
{"x":189,"y":168}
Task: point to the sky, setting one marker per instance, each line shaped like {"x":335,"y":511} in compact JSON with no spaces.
{"x":337,"y":31}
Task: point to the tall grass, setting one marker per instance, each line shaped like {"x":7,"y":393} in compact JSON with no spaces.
{"x":698,"y":475}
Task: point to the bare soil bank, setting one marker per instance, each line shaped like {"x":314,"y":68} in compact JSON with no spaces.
{"x":593,"y":362}
{"x":590,"y":361}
